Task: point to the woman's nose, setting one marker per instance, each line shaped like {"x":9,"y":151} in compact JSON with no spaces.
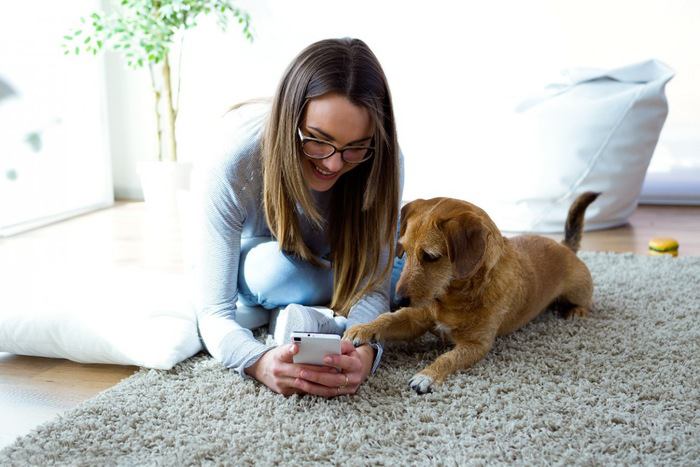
{"x":334,"y":163}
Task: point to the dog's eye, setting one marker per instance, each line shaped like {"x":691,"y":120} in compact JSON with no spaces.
{"x":428,"y":258}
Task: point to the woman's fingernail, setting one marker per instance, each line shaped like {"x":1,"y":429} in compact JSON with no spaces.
{"x":328,"y":360}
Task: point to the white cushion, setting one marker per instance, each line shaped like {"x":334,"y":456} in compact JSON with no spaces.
{"x":595,"y":131}
{"x":118,"y":316}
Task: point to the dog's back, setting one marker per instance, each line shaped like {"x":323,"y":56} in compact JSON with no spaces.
{"x":552,"y":270}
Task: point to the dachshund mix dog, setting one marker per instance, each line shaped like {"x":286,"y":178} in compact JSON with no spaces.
{"x":464,"y":279}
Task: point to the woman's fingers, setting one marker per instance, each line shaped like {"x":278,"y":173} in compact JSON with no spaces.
{"x":346,"y":363}
{"x":317,"y":368}
{"x":346,"y":347}
{"x":326,"y":379}
{"x":286,"y":353}
{"x":286,"y":386}
{"x":321,"y":390}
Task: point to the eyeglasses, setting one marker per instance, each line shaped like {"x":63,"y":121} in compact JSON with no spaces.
{"x":320,"y":149}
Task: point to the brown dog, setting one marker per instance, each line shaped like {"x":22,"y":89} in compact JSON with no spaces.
{"x":469,"y":282}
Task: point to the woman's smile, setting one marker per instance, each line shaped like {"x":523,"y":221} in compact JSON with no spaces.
{"x":322,"y":173}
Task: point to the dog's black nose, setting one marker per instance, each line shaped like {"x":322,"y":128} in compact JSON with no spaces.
{"x":403,"y":301}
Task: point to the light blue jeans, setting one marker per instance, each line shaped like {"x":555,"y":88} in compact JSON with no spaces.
{"x":269,"y":278}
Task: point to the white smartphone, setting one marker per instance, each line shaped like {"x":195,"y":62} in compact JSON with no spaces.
{"x":314,"y":346}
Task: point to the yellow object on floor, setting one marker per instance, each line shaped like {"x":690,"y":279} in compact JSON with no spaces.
{"x":663,"y":246}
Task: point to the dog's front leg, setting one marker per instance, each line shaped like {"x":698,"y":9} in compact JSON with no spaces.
{"x":406,"y":323}
{"x":463,"y":356}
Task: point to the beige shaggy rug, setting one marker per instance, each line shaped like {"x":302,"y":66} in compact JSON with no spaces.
{"x":620,"y":387}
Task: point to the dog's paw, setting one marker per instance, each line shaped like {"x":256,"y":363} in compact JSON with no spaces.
{"x":574,"y":312}
{"x":362,"y":334}
{"x":421,"y":383}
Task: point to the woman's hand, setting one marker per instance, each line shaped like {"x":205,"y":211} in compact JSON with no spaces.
{"x":354,"y":365}
{"x":276,"y":370}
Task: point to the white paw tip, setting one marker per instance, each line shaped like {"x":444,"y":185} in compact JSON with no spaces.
{"x":422,"y":384}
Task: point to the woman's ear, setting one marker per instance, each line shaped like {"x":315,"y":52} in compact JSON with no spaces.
{"x":466,"y":244}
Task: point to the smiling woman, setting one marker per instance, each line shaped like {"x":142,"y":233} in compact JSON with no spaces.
{"x":301,"y":213}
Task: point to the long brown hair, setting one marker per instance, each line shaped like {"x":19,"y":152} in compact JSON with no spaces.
{"x":365,"y":200}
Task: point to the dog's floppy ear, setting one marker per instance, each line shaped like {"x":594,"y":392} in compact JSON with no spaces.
{"x":403,"y":215}
{"x":466,"y":244}
{"x":406,"y":211}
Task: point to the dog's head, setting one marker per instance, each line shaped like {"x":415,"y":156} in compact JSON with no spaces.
{"x":444,"y":240}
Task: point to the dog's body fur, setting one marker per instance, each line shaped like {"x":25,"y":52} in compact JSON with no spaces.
{"x":470,"y":283}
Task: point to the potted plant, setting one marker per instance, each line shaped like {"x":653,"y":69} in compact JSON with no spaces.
{"x":144,"y":32}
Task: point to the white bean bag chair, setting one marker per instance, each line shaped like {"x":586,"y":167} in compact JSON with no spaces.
{"x":594,"y":131}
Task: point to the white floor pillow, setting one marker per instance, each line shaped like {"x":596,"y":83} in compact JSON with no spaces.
{"x":595,"y":131}
{"x":119,"y":316}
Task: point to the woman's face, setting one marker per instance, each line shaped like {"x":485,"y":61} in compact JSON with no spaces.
{"x":335,"y":119}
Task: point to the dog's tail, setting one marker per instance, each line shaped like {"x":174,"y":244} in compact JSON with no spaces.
{"x":574,"y":220}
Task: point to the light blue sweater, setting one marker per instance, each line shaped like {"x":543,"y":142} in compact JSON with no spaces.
{"x":230,"y":196}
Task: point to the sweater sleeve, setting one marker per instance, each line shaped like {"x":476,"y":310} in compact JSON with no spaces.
{"x":216,"y":261}
{"x":377,"y":301}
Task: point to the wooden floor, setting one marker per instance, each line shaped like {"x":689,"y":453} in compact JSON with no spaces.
{"x":33,"y":390}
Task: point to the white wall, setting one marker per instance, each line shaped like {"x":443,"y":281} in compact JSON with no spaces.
{"x":453,"y":67}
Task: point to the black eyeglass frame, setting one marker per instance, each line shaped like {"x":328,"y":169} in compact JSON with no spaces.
{"x":304,"y":138}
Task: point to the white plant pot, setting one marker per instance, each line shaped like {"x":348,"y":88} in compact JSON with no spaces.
{"x":161,"y":181}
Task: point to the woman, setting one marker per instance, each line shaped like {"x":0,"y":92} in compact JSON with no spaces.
{"x":302,"y":211}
